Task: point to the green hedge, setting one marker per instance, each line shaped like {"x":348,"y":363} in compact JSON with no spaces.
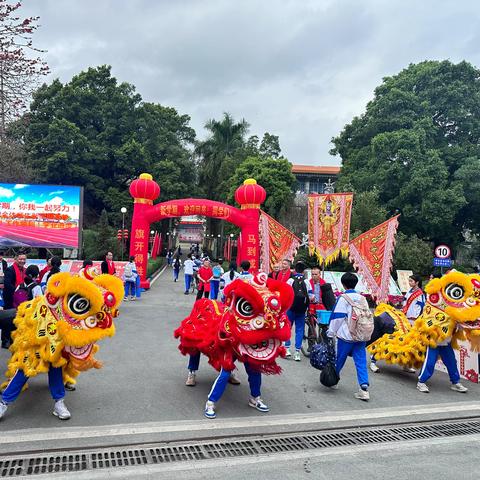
{"x":154,"y":265}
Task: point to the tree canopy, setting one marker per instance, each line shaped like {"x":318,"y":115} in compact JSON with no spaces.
{"x":418,"y":144}
{"x":97,"y":132}
{"x":274,"y":175}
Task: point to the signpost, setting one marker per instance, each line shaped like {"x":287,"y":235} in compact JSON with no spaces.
{"x":442,"y":257}
{"x":442,"y":251}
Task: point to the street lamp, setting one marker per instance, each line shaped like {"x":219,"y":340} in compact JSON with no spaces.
{"x":123,"y":211}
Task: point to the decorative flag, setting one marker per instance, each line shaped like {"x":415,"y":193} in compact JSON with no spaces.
{"x":329,"y":225}
{"x":156,"y":241}
{"x":159,"y":250}
{"x":371,"y":254}
{"x":277,"y":242}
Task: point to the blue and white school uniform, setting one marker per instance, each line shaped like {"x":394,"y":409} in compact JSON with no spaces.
{"x":346,"y":346}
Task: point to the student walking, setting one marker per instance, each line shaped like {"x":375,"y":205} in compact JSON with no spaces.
{"x":302,"y":291}
{"x":177,"y":263}
{"x":343,"y":328}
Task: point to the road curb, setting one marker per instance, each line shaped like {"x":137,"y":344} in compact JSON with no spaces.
{"x":36,"y":440}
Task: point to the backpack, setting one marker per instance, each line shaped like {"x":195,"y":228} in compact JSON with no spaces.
{"x":360,"y":322}
{"x":128,"y":271}
{"x":300,"y":295}
{"x":22,"y":294}
{"x":176,"y":264}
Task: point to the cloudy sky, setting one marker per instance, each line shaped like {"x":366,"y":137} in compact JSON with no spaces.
{"x":299,"y":69}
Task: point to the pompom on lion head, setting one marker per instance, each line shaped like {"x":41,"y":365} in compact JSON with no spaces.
{"x":458,"y":294}
{"x":84,"y":308}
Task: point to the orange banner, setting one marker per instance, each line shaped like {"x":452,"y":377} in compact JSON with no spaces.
{"x":372,"y":253}
{"x":277,"y":242}
{"x":329,"y":225}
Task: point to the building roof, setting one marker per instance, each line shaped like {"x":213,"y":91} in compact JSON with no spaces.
{"x":321,"y":170}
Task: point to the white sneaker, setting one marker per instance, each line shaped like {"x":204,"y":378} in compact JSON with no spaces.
{"x":257,"y":402}
{"x":289,"y":353}
{"x":125,"y":299}
{"x":61,"y":411}
{"x":363,"y":395}
{"x":210,"y":409}
{"x":409,"y":369}
{"x":191,"y":382}
{"x":133,"y":299}
{"x":3,"y":408}
{"x":373,"y":367}
{"x":458,"y":387}
{"x":422,"y":387}
{"x":296,"y":356}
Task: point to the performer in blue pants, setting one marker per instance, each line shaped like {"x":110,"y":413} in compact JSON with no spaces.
{"x":55,"y":383}
{"x":218,"y":387}
{"x":224,"y":377}
{"x":447,"y":355}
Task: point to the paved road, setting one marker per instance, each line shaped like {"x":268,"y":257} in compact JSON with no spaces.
{"x":143,"y":379}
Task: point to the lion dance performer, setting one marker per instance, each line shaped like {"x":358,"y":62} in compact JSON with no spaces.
{"x":250,"y":327}
{"x":451,"y":313}
{"x":57,"y":334}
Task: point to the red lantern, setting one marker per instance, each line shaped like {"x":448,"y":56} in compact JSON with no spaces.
{"x":250,"y":194}
{"x":144,"y":189}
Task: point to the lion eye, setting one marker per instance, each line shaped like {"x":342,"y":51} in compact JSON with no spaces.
{"x":455,"y":291}
{"x":244,"y":308}
{"x":78,"y":304}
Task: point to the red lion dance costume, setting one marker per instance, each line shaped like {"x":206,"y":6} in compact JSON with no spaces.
{"x":249,"y":327}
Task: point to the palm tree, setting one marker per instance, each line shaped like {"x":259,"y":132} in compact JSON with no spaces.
{"x":219,"y":154}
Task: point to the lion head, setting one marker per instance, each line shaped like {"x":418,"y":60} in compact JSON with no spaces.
{"x":83,"y":309}
{"x":458,"y":295}
{"x":255,"y":320}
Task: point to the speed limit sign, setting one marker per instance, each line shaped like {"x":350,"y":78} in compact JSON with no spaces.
{"x":442,"y":251}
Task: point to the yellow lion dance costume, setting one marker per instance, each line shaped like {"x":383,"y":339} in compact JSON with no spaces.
{"x":452,"y":311}
{"x":61,"y":328}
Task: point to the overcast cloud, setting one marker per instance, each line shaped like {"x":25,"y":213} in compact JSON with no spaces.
{"x":299,"y":69}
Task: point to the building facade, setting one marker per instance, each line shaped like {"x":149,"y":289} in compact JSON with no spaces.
{"x":315,"y":179}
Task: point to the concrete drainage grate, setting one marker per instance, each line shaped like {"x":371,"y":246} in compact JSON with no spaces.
{"x":109,"y":458}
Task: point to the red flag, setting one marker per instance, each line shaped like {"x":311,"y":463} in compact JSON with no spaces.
{"x":277,"y":242}
{"x":155,"y":246}
{"x":372,"y":253}
{"x":329,"y":225}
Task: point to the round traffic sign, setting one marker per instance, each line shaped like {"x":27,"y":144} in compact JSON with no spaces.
{"x":442,"y":251}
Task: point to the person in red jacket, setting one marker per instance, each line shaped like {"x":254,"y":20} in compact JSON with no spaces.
{"x":108,"y":265}
{"x":285,"y":272}
{"x":205,"y":274}
{"x":45,"y":269}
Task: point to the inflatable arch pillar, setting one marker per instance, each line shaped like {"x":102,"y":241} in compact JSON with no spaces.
{"x":145,"y":190}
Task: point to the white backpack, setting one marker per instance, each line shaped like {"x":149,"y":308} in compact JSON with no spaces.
{"x":360,"y":322}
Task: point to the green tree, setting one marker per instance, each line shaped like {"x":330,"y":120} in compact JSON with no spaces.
{"x":274,"y":175}
{"x":418,"y":144}
{"x":414,"y":254}
{"x":13,"y":162}
{"x":96,"y":132}
{"x":270,"y":146}
{"x":366,"y":212}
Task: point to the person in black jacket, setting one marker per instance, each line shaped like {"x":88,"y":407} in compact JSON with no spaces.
{"x":3,"y":267}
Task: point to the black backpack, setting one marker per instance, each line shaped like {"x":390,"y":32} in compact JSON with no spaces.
{"x":300,"y":295}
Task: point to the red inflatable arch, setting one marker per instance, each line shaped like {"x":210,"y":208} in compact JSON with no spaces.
{"x":145,"y":190}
